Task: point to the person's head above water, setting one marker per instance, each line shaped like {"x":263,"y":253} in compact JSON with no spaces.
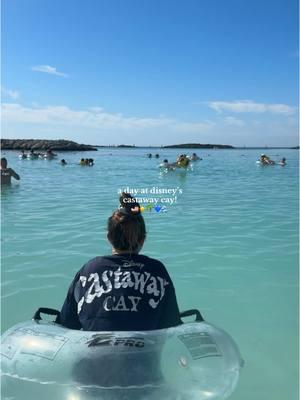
{"x":126,"y":227}
{"x":3,"y":162}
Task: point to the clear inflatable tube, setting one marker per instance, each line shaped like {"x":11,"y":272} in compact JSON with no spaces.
{"x":43,"y":360}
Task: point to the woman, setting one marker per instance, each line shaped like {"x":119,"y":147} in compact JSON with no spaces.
{"x":125,"y":291}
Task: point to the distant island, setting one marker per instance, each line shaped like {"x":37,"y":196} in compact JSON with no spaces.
{"x":40,"y":144}
{"x":173,"y":146}
{"x":68,"y":145}
{"x":198,"y":146}
{"x":127,"y":146}
{"x":123,"y":146}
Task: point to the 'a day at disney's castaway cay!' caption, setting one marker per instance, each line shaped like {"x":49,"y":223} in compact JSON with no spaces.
{"x":153,"y":198}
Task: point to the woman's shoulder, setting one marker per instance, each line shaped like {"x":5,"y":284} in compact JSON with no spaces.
{"x":152,"y":262}
{"x":141,"y":261}
{"x":97,"y":262}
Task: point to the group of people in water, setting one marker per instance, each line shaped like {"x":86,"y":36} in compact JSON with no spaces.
{"x":265,"y":160}
{"x":149,"y":155}
{"x":8,"y":173}
{"x":193,"y":157}
{"x":33,"y":155}
{"x":84,"y":161}
{"x":87,"y":161}
{"x":182,"y":161}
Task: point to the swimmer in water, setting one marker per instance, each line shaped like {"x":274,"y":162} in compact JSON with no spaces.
{"x":63,"y":162}
{"x":194,"y":157}
{"x":23,"y":155}
{"x":167,"y":165}
{"x":91,"y":162}
{"x":82,"y":162}
{"x":7,"y":173}
{"x":49,"y":154}
{"x":282,"y":162}
{"x":32,"y":154}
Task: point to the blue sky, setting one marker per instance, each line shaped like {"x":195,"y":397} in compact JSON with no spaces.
{"x":151,"y":72}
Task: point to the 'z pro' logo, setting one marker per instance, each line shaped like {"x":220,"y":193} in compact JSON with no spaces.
{"x":111,"y":340}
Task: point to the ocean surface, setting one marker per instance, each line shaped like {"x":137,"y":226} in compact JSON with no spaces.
{"x":227,"y":230}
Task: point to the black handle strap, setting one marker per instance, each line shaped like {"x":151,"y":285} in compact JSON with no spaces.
{"x":51,"y":311}
{"x":189,"y":313}
{"x":48,"y":311}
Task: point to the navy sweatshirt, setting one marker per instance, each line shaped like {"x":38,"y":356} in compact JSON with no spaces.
{"x":121,"y":292}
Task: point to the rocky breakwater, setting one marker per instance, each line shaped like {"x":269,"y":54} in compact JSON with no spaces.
{"x":40,"y":144}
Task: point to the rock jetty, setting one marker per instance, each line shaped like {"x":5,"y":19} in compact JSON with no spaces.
{"x":40,"y":144}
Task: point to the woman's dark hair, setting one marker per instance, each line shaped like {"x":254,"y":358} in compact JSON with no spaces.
{"x":126,"y":227}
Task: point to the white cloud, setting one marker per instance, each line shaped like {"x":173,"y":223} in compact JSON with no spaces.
{"x":98,"y":126}
{"x":13,"y":94}
{"x":48,"y":70}
{"x":249,"y":106}
{"x":193,"y":126}
{"x":94,"y":117}
{"x":234,"y":121}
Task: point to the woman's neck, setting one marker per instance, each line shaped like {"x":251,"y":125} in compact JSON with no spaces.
{"x":116,"y":252}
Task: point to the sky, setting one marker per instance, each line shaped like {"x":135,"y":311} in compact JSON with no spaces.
{"x":151,"y":72}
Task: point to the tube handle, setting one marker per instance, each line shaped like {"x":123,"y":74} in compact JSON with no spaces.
{"x":189,"y":313}
{"x":48,"y":311}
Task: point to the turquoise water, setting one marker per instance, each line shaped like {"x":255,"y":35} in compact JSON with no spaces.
{"x":229,"y":241}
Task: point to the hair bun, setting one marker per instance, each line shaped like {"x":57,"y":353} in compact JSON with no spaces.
{"x":129,"y":205}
